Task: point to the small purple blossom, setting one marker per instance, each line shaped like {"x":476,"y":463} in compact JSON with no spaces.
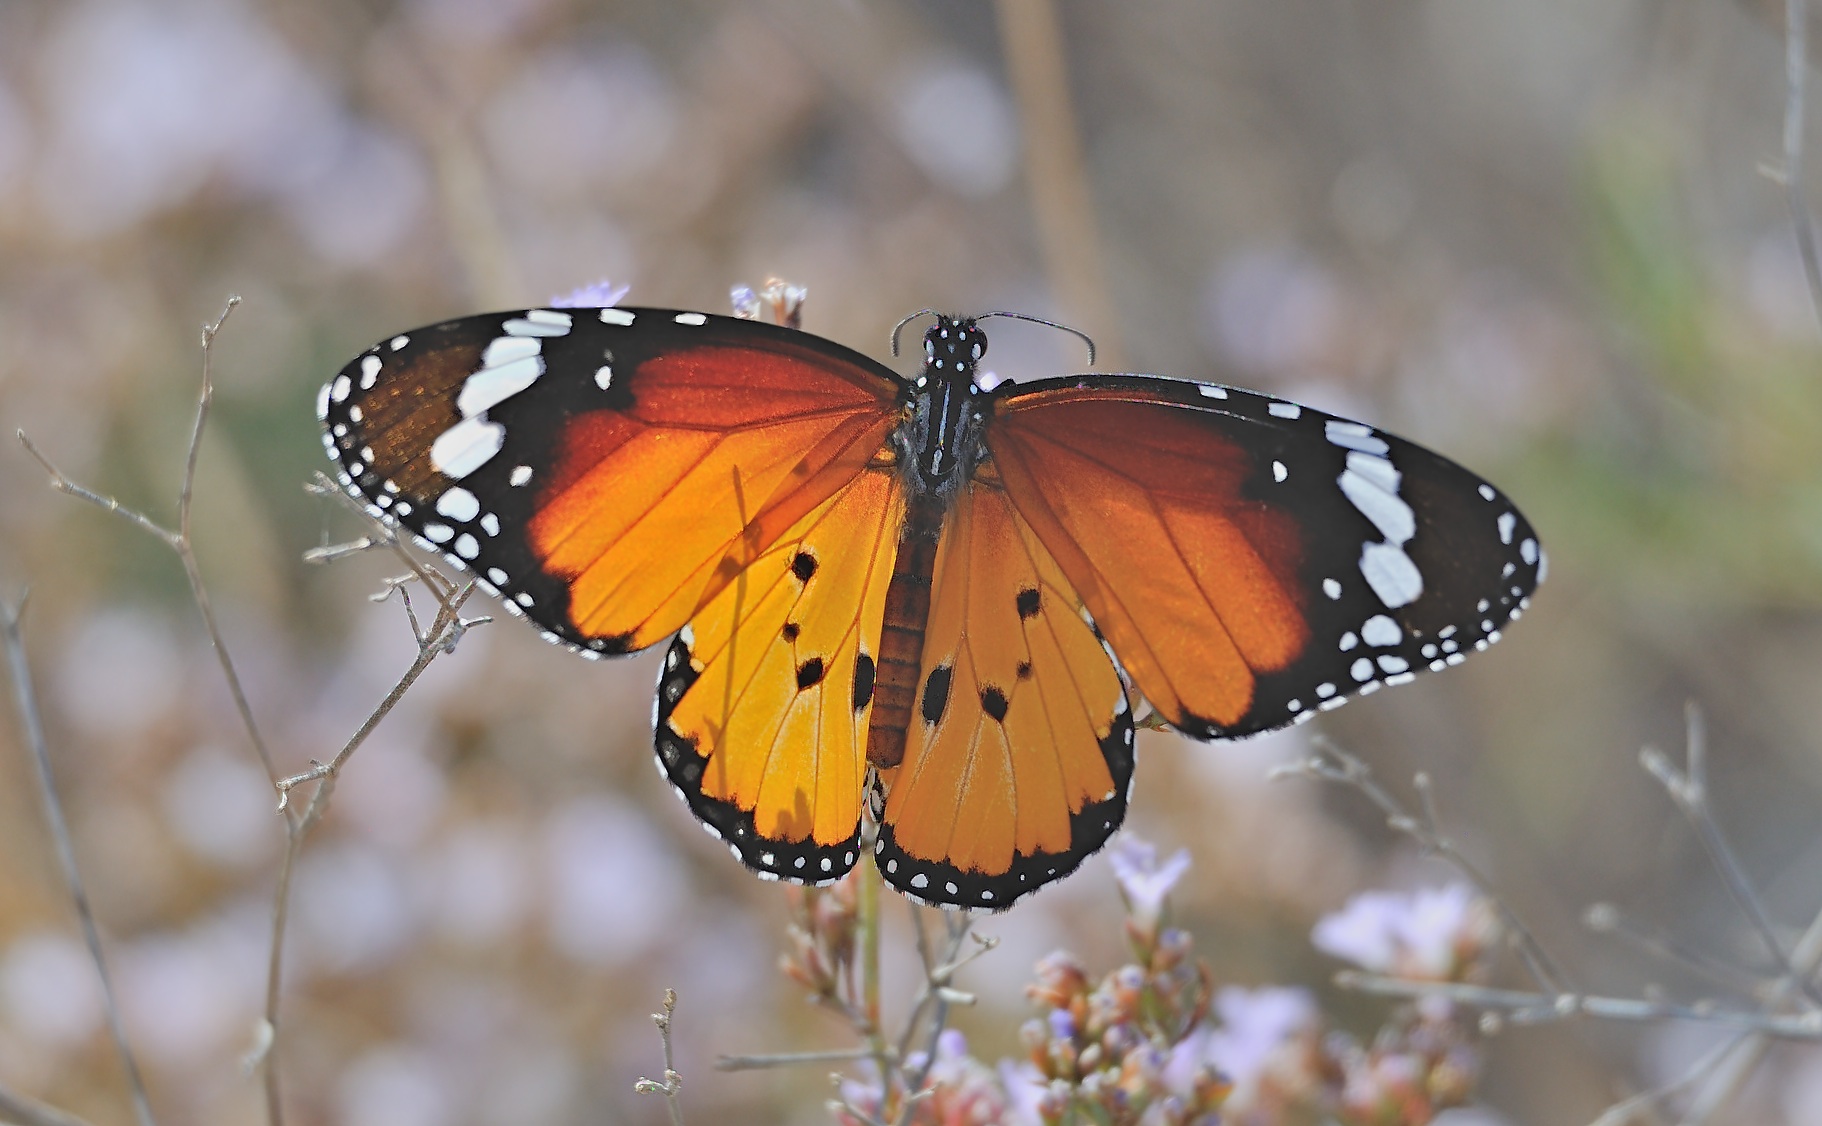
{"x":598,"y":295}
{"x":1144,"y":880}
{"x":1025,"y":1089}
{"x":1423,"y":934}
{"x":1254,"y":1024}
{"x":1062,"y":1025}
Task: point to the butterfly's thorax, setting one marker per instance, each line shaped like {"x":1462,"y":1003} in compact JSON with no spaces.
{"x":939,"y":446}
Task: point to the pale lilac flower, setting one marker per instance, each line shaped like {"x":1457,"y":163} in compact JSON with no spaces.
{"x":1254,"y":1024}
{"x":1025,"y":1090}
{"x":1144,"y":880}
{"x":1429,"y":933}
{"x":596,"y":295}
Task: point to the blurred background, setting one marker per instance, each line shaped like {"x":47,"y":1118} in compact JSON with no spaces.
{"x":1536,"y":235}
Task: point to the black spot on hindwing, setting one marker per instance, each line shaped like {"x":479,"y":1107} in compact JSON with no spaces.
{"x":863,"y":681}
{"x":936,"y":693}
{"x":803,"y":565}
{"x":791,"y":630}
{"x":993,"y":702}
{"x":1024,"y":670}
{"x":809,"y":674}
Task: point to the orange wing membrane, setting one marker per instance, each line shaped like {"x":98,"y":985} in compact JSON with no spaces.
{"x":764,"y":700}
{"x":1252,"y":561}
{"x":1021,"y":747}
{"x":605,"y":471}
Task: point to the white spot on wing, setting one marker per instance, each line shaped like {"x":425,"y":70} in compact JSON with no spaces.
{"x":322,"y":404}
{"x":1391,"y":574}
{"x":1381,"y":631}
{"x":1507,"y":522}
{"x":491,"y":385}
{"x":458,"y":504}
{"x":1528,"y":550}
{"x":691,"y":319}
{"x":604,"y":377}
{"x":616,"y":317}
{"x":1331,"y":588}
{"x":466,"y":446}
{"x":466,"y":547}
{"x":506,"y":349}
{"x":340,"y":388}
{"x":399,"y":342}
{"x":1285,"y":410}
{"x":370,"y":370}
{"x":1209,"y":390}
{"x":1391,"y":515}
{"x":1279,"y":473}
{"x":1355,"y":436}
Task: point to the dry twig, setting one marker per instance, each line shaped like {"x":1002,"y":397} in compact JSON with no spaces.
{"x":33,"y":728}
{"x":672,"y":1084}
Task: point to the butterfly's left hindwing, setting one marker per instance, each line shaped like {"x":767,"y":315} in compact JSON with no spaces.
{"x":1020,"y":751}
{"x":605,"y":471}
{"x":764,"y":700}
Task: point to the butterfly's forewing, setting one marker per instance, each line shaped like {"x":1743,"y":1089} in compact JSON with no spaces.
{"x":607,"y":471}
{"x":764,"y":700}
{"x":1251,"y":561}
{"x":1021,"y":747}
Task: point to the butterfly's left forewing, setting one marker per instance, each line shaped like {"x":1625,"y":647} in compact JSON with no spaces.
{"x":1252,"y":561}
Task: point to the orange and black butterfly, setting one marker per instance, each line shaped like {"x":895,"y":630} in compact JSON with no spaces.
{"x":919,"y":595}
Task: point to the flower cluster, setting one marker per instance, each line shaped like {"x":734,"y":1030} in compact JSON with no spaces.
{"x":821,"y":936}
{"x":1155,"y":1043}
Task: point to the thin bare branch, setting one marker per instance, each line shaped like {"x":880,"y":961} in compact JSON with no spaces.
{"x":1606,"y":918}
{"x":790,"y":1059}
{"x":1688,"y":790}
{"x":65,"y":485}
{"x":941,"y":997}
{"x":33,"y":728}
{"x":1332,"y":764}
{"x":180,"y":540}
{"x":1796,"y":75}
{"x":25,"y":1111}
{"x":1525,"y":1007}
{"x":672,"y":1084}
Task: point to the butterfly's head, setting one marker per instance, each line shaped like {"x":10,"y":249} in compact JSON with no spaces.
{"x":953,"y":347}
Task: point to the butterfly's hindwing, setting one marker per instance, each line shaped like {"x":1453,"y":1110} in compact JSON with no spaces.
{"x":1251,"y":561}
{"x":764,"y":700}
{"x":606,"y":471}
{"x":1021,"y":745}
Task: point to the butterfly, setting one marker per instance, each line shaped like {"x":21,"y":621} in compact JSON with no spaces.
{"x":919,"y":597}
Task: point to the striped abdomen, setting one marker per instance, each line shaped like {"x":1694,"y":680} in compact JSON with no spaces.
{"x":901,"y":641}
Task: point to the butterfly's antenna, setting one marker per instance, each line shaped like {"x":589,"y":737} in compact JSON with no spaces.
{"x":1086,"y":339}
{"x":900,"y":325}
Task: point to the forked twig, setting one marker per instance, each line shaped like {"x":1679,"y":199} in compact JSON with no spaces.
{"x":32,"y":726}
{"x":1332,"y":764}
{"x":1688,"y":790}
{"x":440,"y":637}
{"x":672,"y":1084}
